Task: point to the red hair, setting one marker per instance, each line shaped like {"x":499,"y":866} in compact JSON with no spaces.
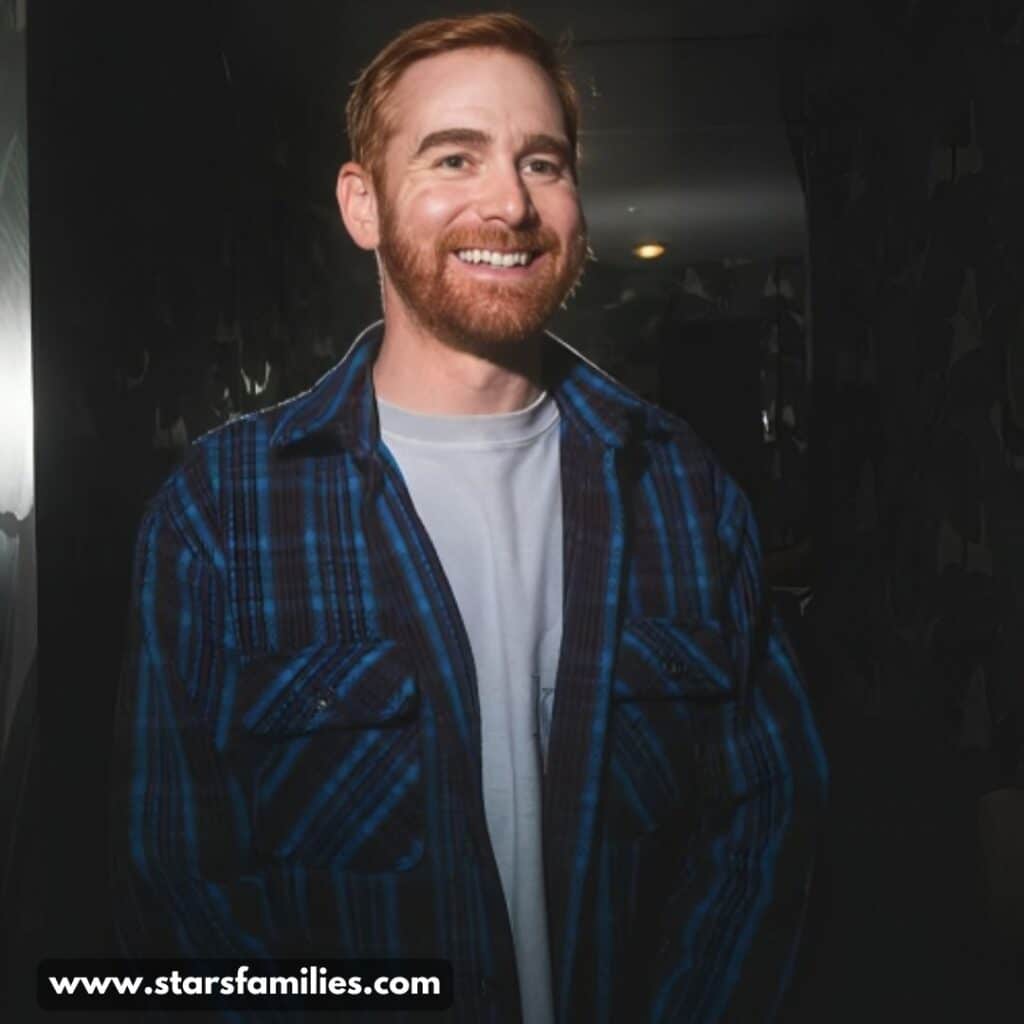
{"x":366,"y":113}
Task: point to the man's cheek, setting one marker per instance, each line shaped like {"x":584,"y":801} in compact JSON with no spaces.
{"x":434,"y":207}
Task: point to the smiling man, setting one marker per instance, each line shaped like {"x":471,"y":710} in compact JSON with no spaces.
{"x":465,"y":652}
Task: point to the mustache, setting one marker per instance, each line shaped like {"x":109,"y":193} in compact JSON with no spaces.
{"x":532,"y":240}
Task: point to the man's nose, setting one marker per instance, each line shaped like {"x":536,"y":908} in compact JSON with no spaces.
{"x":504,"y":196}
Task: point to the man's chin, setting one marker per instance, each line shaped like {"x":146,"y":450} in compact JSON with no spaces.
{"x":482,"y":323}
{"x":489,"y":338}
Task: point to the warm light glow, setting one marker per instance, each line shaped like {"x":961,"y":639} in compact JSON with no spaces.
{"x":649,"y":250}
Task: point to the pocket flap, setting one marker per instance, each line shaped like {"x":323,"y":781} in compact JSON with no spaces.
{"x":328,"y":686}
{"x":666,"y":658}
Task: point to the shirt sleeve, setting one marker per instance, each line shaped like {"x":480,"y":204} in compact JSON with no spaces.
{"x":733,"y":923}
{"x":178,"y":822}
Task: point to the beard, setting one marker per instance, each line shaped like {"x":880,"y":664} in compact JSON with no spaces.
{"x":480,"y":316}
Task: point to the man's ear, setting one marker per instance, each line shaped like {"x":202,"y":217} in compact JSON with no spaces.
{"x":357,"y":202}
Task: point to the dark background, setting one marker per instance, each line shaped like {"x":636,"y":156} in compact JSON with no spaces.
{"x":856,"y":358}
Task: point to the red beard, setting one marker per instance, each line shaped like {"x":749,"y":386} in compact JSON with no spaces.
{"x":475,"y":315}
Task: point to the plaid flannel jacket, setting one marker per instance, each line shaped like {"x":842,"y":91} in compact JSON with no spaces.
{"x":297,"y":737}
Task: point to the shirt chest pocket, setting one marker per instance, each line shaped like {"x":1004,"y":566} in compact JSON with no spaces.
{"x":332,"y":753}
{"x":672,"y":713}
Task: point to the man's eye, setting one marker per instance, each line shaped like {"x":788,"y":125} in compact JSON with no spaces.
{"x":539,"y":166}
{"x":454,"y":161}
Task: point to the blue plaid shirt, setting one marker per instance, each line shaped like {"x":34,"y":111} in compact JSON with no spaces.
{"x":298,"y":732}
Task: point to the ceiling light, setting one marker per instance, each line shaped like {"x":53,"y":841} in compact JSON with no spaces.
{"x":649,"y":250}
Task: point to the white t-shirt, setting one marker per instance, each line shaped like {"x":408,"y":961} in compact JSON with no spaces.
{"x":488,"y":491}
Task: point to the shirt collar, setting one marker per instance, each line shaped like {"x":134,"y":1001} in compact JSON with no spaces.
{"x":340,"y":407}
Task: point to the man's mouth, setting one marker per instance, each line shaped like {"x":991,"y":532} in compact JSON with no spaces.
{"x":493,"y":258}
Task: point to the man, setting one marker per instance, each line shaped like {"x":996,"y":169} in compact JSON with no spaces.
{"x":465,"y":653}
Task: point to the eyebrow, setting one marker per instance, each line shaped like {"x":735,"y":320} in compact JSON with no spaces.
{"x":537,"y":141}
{"x":544,"y":143}
{"x":453,"y":137}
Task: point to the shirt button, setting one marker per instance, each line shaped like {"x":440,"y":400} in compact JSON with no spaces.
{"x":322,"y":703}
{"x":675,"y":668}
{"x":488,"y":987}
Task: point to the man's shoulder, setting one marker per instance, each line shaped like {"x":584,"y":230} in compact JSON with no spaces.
{"x":254,"y":428}
{"x":656,"y":425}
{"x":688,"y":461}
{"x":230,"y":455}
{"x":659,"y":427}
{"x":670,"y":429}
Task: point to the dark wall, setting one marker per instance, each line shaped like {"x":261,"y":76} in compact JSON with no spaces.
{"x":908,"y":118}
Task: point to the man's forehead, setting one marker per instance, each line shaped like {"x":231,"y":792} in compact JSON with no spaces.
{"x":474,"y":89}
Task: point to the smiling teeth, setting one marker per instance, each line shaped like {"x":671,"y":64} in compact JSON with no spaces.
{"x":495,"y":259}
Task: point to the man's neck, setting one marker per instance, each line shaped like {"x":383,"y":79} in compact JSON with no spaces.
{"x":418,"y":372}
